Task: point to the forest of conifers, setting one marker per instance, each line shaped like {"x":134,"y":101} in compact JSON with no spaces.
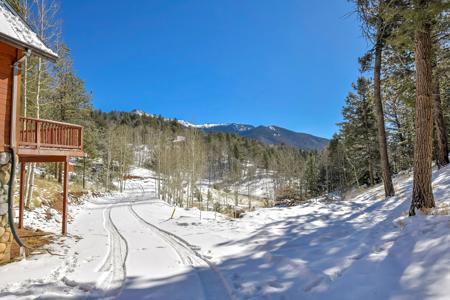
{"x":396,"y":118}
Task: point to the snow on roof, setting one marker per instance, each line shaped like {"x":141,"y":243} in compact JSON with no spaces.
{"x":14,"y":30}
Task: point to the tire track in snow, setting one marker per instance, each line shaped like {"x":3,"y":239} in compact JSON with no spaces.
{"x":212,"y":281}
{"x":115,"y":261}
{"x":191,"y":257}
{"x":184,"y":259}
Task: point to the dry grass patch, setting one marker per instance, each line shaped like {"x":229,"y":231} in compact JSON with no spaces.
{"x":36,"y":241}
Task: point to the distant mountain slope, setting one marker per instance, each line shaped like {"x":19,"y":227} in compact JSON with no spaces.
{"x":267,"y":134}
{"x":272,"y":135}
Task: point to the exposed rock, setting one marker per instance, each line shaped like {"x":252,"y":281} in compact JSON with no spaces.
{"x":37,"y":202}
{"x":5,"y":157}
{"x":3,"y":208}
{"x":6,"y":255}
{"x":5,"y":233}
{"x":5,"y":237}
{"x":4,"y":220}
{"x":4,"y":177}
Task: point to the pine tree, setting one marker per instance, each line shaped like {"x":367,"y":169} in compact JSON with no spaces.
{"x":422,"y":190}
{"x":440,"y":67}
{"x":377,"y":29}
{"x":358,"y":132}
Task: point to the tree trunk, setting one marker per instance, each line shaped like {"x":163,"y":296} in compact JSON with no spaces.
{"x":368,"y":148}
{"x":30,"y":185}
{"x":371,"y":171}
{"x":108,"y":169}
{"x":60,"y":173}
{"x":384,"y":158}
{"x":439,"y":127}
{"x":25,"y":86}
{"x":422,"y":190}
{"x":38,"y":113}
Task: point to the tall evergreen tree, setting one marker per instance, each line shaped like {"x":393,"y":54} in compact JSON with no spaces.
{"x":376,"y":29}
{"x":440,"y":67}
{"x":422,"y":197}
{"x":358,"y":132}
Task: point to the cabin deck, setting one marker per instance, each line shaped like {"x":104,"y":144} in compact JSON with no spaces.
{"x":45,"y":140}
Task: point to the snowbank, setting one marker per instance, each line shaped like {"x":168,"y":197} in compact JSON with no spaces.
{"x":360,"y":248}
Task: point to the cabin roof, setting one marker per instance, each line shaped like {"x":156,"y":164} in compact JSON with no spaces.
{"x":15,"y":31}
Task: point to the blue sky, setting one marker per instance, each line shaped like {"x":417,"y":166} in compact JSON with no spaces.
{"x":288,"y":63}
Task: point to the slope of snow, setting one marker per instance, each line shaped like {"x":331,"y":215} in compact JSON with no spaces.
{"x":361,"y":248}
{"x":185,"y":123}
{"x":142,"y":172}
{"x":208,"y":125}
{"x":140,"y":113}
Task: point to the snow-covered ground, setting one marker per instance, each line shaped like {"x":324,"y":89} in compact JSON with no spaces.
{"x":252,"y":192}
{"x":125,"y":246}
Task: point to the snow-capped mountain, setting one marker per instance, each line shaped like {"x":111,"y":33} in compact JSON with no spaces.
{"x":272,"y":135}
{"x":227,"y":128}
{"x":140,"y":113}
{"x":267,"y":134}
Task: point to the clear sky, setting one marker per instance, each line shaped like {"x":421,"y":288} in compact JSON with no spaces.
{"x":288,"y":63}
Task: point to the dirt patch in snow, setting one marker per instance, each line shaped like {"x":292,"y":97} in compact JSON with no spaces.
{"x":35,"y":239}
{"x":75,"y":198}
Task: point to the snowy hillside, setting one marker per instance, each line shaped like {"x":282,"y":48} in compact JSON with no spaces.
{"x":125,"y":246}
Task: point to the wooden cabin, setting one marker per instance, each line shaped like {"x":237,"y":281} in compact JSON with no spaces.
{"x":32,"y":140}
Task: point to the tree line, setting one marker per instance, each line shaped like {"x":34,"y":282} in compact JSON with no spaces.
{"x":397,"y":114}
{"x":182,"y":157}
{"x":395,"y":118}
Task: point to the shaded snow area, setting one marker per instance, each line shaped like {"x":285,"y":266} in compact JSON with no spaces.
{"x":126,"y":246}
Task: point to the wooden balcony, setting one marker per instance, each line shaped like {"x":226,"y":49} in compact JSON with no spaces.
{"x":49,"y":139}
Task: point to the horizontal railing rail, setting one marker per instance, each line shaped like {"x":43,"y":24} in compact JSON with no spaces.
{"x":38,"y":134}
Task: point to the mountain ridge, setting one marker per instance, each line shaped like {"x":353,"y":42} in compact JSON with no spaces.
{"x":272,"y":134}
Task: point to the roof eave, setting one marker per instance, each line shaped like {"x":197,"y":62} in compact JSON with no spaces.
{"x":19,"y":44}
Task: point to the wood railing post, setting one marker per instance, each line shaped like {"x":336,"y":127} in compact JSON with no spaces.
{"x":38,"y":134}
{"x":80,"y":137}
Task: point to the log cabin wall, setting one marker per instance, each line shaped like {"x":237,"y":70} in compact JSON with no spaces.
{"x":8,"y":55}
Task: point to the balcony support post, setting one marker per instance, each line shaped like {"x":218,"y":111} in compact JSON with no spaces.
{"x":65,"y":195}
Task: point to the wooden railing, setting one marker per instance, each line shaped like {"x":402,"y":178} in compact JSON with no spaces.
{"x":44,"y":134}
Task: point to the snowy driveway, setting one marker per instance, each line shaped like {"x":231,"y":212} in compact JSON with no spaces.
{"x":121,"y":255}
{"x":365,"y":248}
